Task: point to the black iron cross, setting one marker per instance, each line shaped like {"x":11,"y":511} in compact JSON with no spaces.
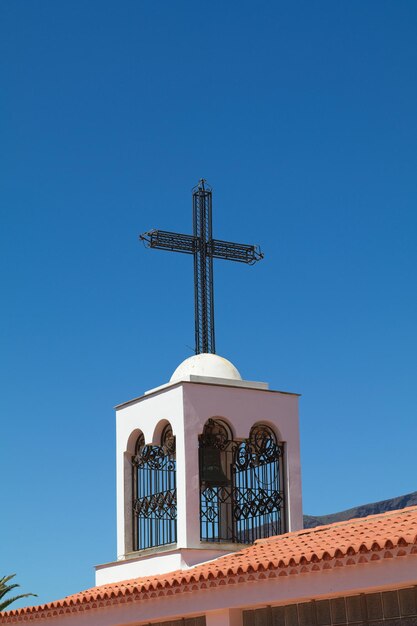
{"x":204,"y":248}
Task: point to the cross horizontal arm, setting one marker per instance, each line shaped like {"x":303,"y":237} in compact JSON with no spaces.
{"x":165,"y":240}
{"x":241,"y":252}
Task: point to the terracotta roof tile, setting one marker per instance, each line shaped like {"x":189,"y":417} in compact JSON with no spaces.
{"x":292,"y":553}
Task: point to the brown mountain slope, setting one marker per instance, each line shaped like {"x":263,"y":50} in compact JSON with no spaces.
{"x":373,"y":508}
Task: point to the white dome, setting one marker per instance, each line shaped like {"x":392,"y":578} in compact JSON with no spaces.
{"x":210,"y":365}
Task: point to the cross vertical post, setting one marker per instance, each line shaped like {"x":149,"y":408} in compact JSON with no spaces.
{"x":203,"y":270}
{"x":204,"y":249}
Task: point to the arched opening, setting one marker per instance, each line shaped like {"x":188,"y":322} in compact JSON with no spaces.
{"x":258,"y":486}
{"x":215,"y":461}
{"x":241,"y":484}
{"x":154,"y":492}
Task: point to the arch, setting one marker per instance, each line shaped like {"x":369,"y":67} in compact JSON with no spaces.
{"x":226,"y":423}
{"x":218,"y":426}
{"x":159,"y":430}
{"x":132,"y":439}
{"x":272,"y":426}
{"x":154,"y":503}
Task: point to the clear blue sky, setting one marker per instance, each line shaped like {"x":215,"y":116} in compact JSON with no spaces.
{"x":303,"y":117}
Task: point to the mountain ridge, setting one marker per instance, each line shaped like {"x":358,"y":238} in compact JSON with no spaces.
{"x":363,"y":510}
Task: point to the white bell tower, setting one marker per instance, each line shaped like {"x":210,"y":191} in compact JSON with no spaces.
{"x":205,"y":463}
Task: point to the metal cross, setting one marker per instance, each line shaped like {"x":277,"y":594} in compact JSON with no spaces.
{"x":204,"y":248}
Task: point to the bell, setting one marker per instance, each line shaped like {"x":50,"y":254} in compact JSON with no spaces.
{"x":211,"y":470}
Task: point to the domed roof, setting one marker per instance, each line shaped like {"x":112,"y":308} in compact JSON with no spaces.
{"x":210,"y":365}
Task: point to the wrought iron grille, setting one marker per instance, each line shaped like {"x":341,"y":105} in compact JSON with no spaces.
{"x":155,"y":494}
{"x":216,"y":450}
{"x":258,"y":491}
{"x":241,"y":484}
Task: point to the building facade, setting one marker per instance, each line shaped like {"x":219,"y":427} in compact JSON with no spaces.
{"x":209,"y":521}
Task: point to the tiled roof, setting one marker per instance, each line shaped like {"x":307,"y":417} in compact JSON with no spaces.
{"x":361,"y":540}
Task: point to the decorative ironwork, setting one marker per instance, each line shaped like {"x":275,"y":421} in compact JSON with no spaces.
{"x":203,"y":270}
{"x":204,"y":248}
{"x":258,"y":487}
{"x":216,"y":434}
{"x":241,"y":486}
{"x":155,"y":494}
